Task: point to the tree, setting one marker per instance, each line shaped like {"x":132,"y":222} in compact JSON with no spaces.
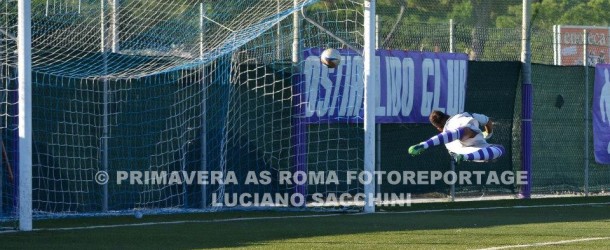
{"x":547,"y":13}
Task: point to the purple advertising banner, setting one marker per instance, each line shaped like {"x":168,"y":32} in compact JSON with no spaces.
{"x":409,"y":86}
{"x":601,"y":114}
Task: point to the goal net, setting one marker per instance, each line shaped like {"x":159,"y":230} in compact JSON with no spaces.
{"x":140,"y":105}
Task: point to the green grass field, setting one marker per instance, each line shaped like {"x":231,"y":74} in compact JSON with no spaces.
{"x":567,"y":223}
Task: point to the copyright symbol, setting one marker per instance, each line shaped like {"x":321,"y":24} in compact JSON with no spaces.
{"x":101,"y":177}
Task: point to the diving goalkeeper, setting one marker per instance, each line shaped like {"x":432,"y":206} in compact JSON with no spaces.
{"x":462,"y":136}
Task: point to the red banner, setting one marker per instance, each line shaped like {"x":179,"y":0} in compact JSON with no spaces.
{"x":569,"y":44}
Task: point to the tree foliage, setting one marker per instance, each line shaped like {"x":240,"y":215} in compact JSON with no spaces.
{"x":482,"y":26}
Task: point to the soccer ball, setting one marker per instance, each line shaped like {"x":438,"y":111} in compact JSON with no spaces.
{"x":331,"y":58}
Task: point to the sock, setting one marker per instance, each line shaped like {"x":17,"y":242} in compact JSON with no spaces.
{"x":488,"y":153}
{"x":444,"y":137}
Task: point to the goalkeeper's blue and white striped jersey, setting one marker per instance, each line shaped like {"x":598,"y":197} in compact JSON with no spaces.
{"x":473,"y":121}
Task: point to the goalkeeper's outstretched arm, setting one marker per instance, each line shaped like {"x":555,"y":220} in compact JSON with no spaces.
{"x":488,"y":129}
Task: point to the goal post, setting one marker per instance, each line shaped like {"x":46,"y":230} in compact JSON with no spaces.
{"x":24,"y":50}
{"x":369,"y":103}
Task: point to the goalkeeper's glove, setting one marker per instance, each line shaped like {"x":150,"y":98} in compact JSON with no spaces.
{"x":487,"y":135}
{"x":416,"y":149}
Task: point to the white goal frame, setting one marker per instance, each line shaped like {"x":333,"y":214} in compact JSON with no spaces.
{"x":24,"y":68}
{"x":369,"y":103}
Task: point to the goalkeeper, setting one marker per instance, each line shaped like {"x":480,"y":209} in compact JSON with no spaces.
{"x":462,"y":136}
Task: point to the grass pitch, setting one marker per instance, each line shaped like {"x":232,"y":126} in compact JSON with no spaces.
{"x":575,"y":223}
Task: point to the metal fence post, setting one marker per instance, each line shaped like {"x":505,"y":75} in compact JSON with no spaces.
{"x":586,"y":109}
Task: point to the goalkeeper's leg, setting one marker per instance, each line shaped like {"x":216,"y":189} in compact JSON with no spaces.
{"x":441,"y":138}
{"x":488,"y":153}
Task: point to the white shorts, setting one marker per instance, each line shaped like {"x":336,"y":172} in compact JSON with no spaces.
{"x":457,"y":147}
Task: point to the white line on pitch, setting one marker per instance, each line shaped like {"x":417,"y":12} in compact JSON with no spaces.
{"x":176,"y":222}
{"x":489,"y":208}
{"x":301,"y":216}
{"x":546,"y":243}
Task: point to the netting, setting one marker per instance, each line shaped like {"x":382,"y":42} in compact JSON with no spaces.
{"x":163,"y":87}
{"x":560,"y":144}
{"x":157,"y":36}
{"x":8,"y":106}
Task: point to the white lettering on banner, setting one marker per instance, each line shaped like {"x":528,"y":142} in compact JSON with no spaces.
{"x":346,"y":86}
{"x":357,"y":88}
{"x":339,"y":78}
{"x":312,"y":78}
{"x":456,"y":80}
{"x":380,"y":106}
{"x":327,"y":85}
{"x":393,"y":83}
{"x":353,"y":88}
{"x":407,"y":93}
{"x":340,"y":91}
{"x":430,"y":99}
{"x":399,"y":87}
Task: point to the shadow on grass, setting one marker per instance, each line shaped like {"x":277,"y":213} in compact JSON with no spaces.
{"x":259,"y":232}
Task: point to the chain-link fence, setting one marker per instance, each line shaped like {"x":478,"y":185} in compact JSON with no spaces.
{"x":490,"y":31}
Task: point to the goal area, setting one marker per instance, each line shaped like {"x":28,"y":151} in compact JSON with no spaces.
{"x":141,"y":106}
